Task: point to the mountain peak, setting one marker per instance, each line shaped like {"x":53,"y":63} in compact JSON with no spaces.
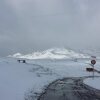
{"x":53,"y":53}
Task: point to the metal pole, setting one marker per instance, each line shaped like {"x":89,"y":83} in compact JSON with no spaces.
{"x":93,"y":71}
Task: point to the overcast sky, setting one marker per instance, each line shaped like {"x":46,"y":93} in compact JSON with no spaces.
{"x":30,"y":25}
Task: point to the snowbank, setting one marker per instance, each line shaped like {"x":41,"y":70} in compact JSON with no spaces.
{"x":94,"y":82}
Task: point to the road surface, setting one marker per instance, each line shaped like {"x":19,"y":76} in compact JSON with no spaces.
{"x":70,"y":89}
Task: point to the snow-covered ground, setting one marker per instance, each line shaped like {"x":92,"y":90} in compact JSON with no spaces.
{"x":94,"y":82}
{"x":19,"y":81}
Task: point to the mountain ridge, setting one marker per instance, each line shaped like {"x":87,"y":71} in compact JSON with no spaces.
{"x":53,"y":53}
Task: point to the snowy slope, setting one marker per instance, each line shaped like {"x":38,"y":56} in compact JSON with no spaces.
{"x":55,"y":53}
{"x":91,"y":51}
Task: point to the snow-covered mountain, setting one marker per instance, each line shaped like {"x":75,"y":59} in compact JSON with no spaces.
{"x":54,"y":53}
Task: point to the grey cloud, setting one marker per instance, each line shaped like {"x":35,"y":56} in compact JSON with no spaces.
{"x":27,"y":25}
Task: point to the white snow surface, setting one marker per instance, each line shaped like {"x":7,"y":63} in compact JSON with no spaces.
{"x":19,"y":81}
{"x":94,"y":82}
{"x":54,"y":53}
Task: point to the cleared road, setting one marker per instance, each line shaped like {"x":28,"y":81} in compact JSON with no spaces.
{"x":70,"y":89}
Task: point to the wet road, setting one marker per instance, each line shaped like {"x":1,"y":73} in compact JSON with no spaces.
{"x":70,"y":89}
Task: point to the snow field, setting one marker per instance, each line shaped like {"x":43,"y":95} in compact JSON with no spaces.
{"x":19,"y":81}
